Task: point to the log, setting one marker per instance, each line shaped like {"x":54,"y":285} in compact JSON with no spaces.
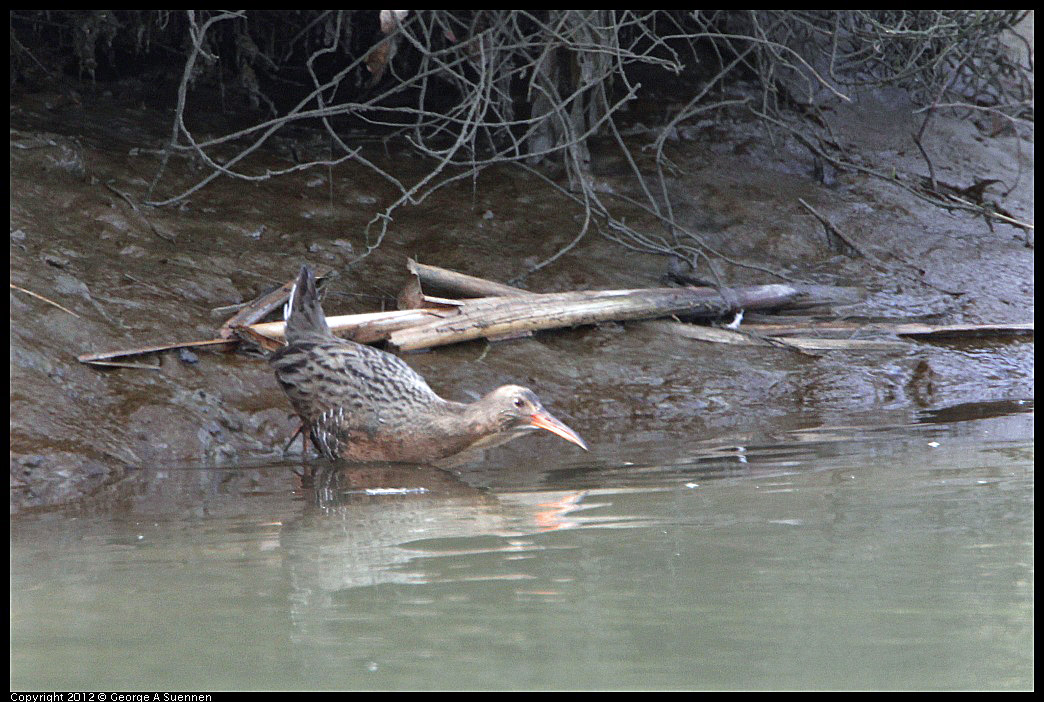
{"x":462,"y":285}
{"x":498,"y":316}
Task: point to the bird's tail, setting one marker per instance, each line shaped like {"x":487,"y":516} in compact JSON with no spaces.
{"x":304,"y":315}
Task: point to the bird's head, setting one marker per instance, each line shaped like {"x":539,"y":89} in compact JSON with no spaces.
{"x":518,"y":409}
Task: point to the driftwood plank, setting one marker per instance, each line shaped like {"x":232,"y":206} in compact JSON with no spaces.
{"x":750,"y":337}
{"x":956,"y":330}
{"x":914,"y":329}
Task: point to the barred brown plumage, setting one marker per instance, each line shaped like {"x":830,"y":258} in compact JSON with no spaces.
{"x":363,"y":404}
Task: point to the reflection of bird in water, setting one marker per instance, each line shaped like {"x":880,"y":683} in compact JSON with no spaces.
{"x":362,"y":404}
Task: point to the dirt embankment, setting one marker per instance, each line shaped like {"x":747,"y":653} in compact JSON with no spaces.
{"x":128,"y":277}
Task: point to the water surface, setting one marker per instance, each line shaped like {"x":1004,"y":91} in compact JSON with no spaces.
{"x":863,"y":556}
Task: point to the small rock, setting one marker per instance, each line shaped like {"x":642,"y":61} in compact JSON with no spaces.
{"x":132,"y":250}
{"x":56,"y":260}
{"x":66,"y":284}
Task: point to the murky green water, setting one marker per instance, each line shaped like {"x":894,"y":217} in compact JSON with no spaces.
{"x":887,"y":557}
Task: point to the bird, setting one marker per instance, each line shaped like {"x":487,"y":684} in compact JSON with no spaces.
{"x":362,"y":404}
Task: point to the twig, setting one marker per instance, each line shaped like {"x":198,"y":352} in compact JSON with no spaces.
{"x":155,"y":230}
{"x":532,"y":86}
{"x":41,"y":297}
{"x":837,"y":233}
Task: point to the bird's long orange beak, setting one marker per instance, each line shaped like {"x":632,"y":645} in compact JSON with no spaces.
{"x":544,"y":420}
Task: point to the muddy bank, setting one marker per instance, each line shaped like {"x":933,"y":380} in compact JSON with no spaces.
{"x":129,"y":277}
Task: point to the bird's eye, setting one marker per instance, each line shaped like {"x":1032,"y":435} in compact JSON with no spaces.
{"x":519,"y":402}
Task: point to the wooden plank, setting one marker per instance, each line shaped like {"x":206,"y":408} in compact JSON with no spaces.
{"x":902,"y":329}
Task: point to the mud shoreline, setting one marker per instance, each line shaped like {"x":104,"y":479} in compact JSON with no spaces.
{"x":128,"y":277}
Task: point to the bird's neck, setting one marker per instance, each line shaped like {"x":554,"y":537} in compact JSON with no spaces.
{"x":469,"y":425}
